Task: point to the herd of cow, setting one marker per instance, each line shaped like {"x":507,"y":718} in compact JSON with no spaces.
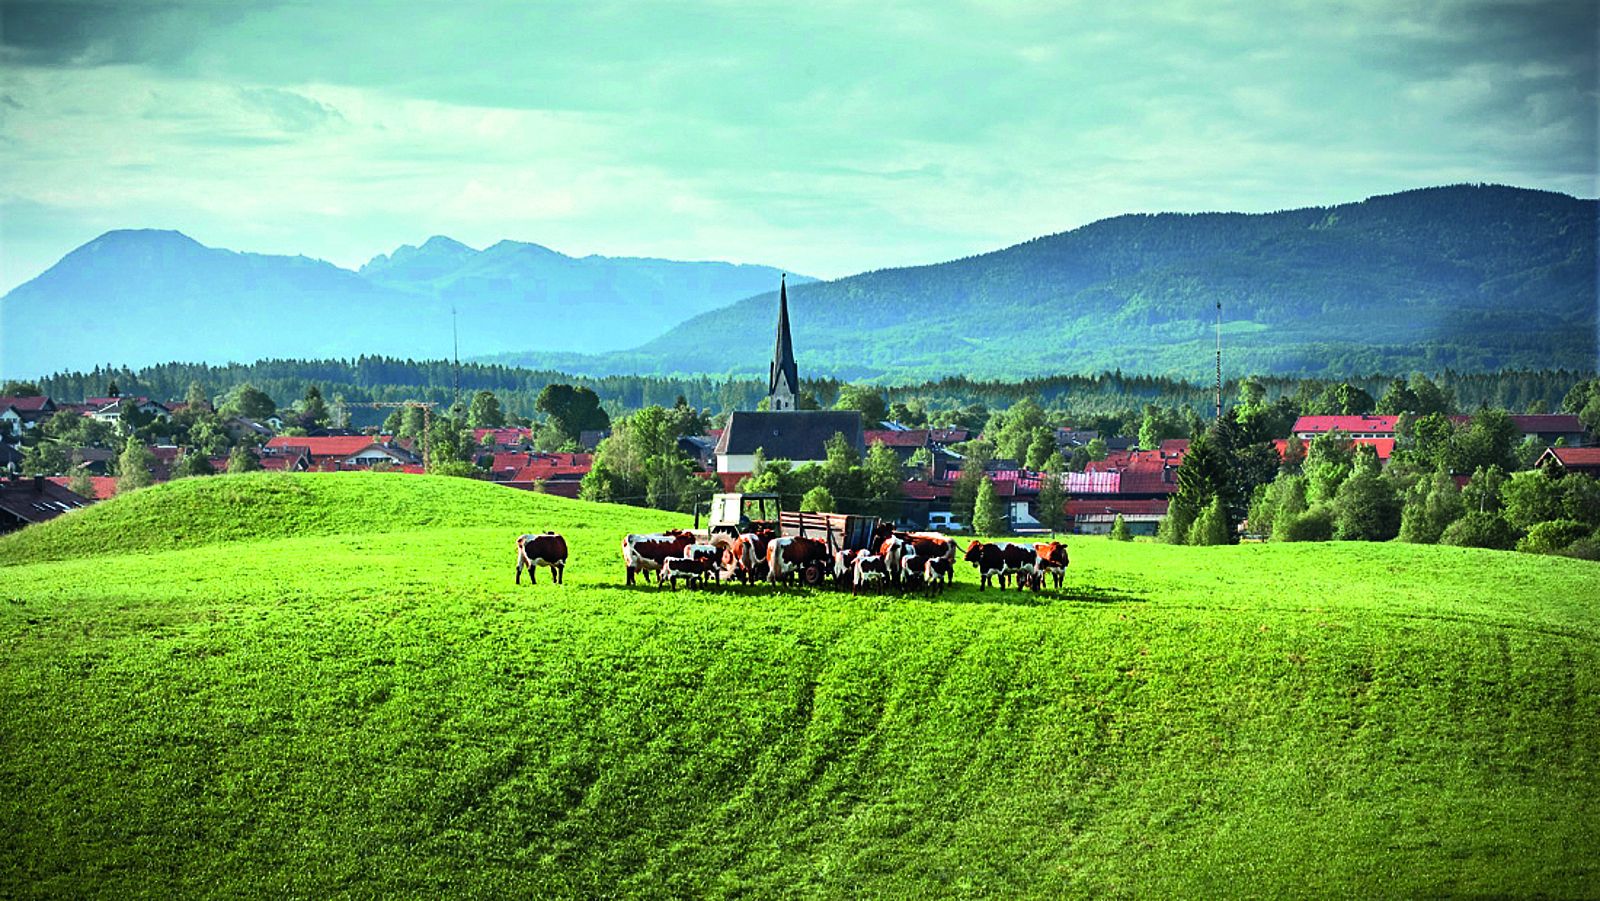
{"x":904,"y":560}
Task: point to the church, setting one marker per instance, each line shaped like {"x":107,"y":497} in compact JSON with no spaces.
{"x":782,"y":432}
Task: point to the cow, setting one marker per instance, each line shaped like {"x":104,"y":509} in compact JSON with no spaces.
{"x":791,"y":554}
{"x":645,"y":553}
{"x":911,"y":570}
{"x":844,"y":566}
{"x":1002,"y":559}
{"x":546,"y":549}
{"x":746,"y":557}
{"x":938,"y":572}
{"x":931,"y":544}
{"x":870,"y":569}
{"x":1052,"y":560}
{"x":892,"y":548}
{"x":691,"y":569}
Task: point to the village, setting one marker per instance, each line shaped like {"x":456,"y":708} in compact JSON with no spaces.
{"x":1116,"y":481}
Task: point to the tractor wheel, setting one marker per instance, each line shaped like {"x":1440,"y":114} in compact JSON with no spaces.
{"x":812,"y":575}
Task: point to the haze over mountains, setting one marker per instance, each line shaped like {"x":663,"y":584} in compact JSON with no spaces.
{"x":137,"y":297}
{"x":1469,"y":277}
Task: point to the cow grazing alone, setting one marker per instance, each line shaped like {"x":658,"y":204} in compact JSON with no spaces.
{"x":791,"y":554}
{"x":938,"y":572}
{"x":689,"y":569}
{"x":870,"y":569}
{"x":1001,"y":559}
{"x":1052,"y":561}
{"x":546,"y":549}
{"x":646,"y":553}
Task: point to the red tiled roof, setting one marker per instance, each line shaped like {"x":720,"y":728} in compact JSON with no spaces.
{"x":503,"y":436}
{"x":1532,"y":423}
{"x":25,"y":404}
{"x":1094,"y":482}
{"x":893,"y":438}
{"x":325,"y":445}
{"x":1149,"y":480}
{"x":1576,"y":456}
{"x":1352,"y":424}
{"x":104,"y":486}
{"x":918,"y":490}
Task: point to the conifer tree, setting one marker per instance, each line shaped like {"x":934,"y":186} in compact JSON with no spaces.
{"x":987,"y":518}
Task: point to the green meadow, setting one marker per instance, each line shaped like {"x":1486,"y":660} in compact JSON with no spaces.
{"x":328,"y":685}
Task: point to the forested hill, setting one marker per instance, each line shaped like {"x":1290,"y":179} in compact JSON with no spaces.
{"x":1473,"y":278}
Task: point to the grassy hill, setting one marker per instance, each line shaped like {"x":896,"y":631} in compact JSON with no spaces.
{"x":351,"y":696}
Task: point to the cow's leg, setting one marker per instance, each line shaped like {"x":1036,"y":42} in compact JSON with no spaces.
{"x":533,"y":568}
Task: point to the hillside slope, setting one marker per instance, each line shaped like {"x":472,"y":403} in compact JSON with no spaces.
{"x":385,"y":713}
{"x":1472,"y":278}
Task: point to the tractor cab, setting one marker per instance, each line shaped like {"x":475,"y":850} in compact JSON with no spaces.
{"x":736,"y":514}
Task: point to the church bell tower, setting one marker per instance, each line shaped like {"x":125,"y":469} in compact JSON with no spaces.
{"x":783,"y":384}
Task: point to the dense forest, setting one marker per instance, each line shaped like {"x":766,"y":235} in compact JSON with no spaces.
{"x":1109,"y":393}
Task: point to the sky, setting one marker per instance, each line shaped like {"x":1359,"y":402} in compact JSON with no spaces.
{"x":826,"y":138}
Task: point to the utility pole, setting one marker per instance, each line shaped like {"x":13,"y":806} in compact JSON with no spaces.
{"x":1219,"y":360}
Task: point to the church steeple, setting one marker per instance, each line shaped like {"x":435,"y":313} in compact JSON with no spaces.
{"x":783,"y":384}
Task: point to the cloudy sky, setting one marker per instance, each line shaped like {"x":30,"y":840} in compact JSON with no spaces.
{"x":824,"y":137}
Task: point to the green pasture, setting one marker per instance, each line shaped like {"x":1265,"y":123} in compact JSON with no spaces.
{"x":327,"y":685}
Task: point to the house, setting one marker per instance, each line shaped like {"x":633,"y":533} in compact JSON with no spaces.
{"x":239,"y":428}
{"x":1546,"y":428}
{"x":1366,"y":425}
{"x":502,"y":439}
{"x":1585,"y":460}
{"x":109,"y":409}
{"x":1096,"y":516}
{"x":18,"y":414}
{"x":800,"y":436}
{"x":105,"y":487}
{"x":329,"y":453}
{"x":37,"y":499}
{"x":906,"y":442}
{"x":559,"y":474}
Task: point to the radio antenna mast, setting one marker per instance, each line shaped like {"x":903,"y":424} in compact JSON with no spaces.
{"x":455,"y":340}
{"x":1219,"y":360}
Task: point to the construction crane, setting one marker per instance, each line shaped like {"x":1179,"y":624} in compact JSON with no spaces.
{"x":427,"y":416}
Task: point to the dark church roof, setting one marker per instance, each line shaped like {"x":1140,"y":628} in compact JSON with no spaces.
{"x":796,"y":435}
{"x":783,"y":352}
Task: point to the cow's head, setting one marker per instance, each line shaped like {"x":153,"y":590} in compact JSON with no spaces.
{"x":974,"y":552}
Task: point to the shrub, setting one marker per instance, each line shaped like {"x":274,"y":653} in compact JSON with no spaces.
{"x":1583,"y":549}
{"x":1432,"y":504}
{"x":1480,"y":529}
{"x":1211,"y":528}
{"x":817,"y":500}
{"x":1553,"y":536}
{"x":1366,"y":508}
{"x":1119,"y":530}
{"x":1315,"y":524}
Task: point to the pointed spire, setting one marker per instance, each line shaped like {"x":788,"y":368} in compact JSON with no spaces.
{"x":783,"y":382}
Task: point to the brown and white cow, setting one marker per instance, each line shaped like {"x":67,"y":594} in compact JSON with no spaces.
{"x":1001,"y":559}
{"x":791,"y":554}
{"x":892,"y":549}
{"x":645,"y":553}
{"x":1052,"y":561}
{"x":928,"y":545}
{"x":693,"y":570}
{"x":870,"y":569}
{"x":545,"y":549}
{"x":746,"y":557}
